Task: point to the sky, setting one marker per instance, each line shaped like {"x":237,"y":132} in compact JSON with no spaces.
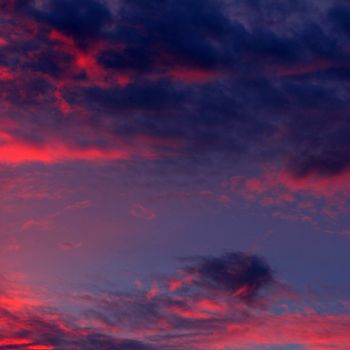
{"x":174,"y":174}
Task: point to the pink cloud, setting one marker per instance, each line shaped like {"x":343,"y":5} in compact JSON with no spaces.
{"x":37,"y":224}
{"x":291,"y":198}
{"x":68,"y":246}
{"x":177,"y":320}
{"x":140,"y":212}
{"x":79,"y":205}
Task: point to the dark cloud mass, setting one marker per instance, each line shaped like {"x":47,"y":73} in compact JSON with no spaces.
{"x":236,"y":273}
{"x":339,"y":14}
{"x":84,"y":20}
{"x":179,"y":79}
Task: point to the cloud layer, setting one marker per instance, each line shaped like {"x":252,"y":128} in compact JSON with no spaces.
{"x":211,"y":303}
{"x":82,"y":80}
{"x":171,"y":84}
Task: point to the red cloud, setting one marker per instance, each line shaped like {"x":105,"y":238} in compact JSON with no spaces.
{"x":6,"y":74}
{"x":188,"y":318}
{"x":13,"y":151}
{"x":292,"y":198}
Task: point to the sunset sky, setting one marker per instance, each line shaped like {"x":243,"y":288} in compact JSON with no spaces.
{"x":174,"y":174}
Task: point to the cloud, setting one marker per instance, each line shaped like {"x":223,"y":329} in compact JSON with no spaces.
{"x":307,"y":199}
{"x":79,"y":205}
{"x":204,"y":293}
{"x":166,"y":82}
{"x":83,"y":20}
{"x":38,"y":224}
{"x":140,"y":212}
{"x":339,"y":14}
{"x":68,"y":246}
{"x":175,"y":80}
{"x":197,"y":315}
{"x":239,"y":274}
{"x":210,"y":307}
{"x":27,"y":322}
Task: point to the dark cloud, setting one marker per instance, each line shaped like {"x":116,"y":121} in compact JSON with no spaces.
{"x":54,"y":64}
{"x":202,"y":35}
{"x":84,"y":20}
{"x":236,"y":273}
{"x":340,"y":17}
{"x":142,"y":96}
{"x":205,"y":287}
{"x":11,"y":6}
{"x":181,"y":79}
{"x":325,"y":154}
{"x":182,"y":32}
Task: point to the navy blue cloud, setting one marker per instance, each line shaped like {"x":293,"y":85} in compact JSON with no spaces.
{"x":84,"y":20}
{"x":340,"y":17}
{"x":215,"y":77}
{"x":239,"y":273}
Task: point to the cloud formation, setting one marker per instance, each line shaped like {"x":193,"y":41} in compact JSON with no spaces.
{"x":207,"y":304}
{"x":302,"y":199}
{"x":176,"y":79}
{"x":235,"y":273}
{"x":171,"y":82}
